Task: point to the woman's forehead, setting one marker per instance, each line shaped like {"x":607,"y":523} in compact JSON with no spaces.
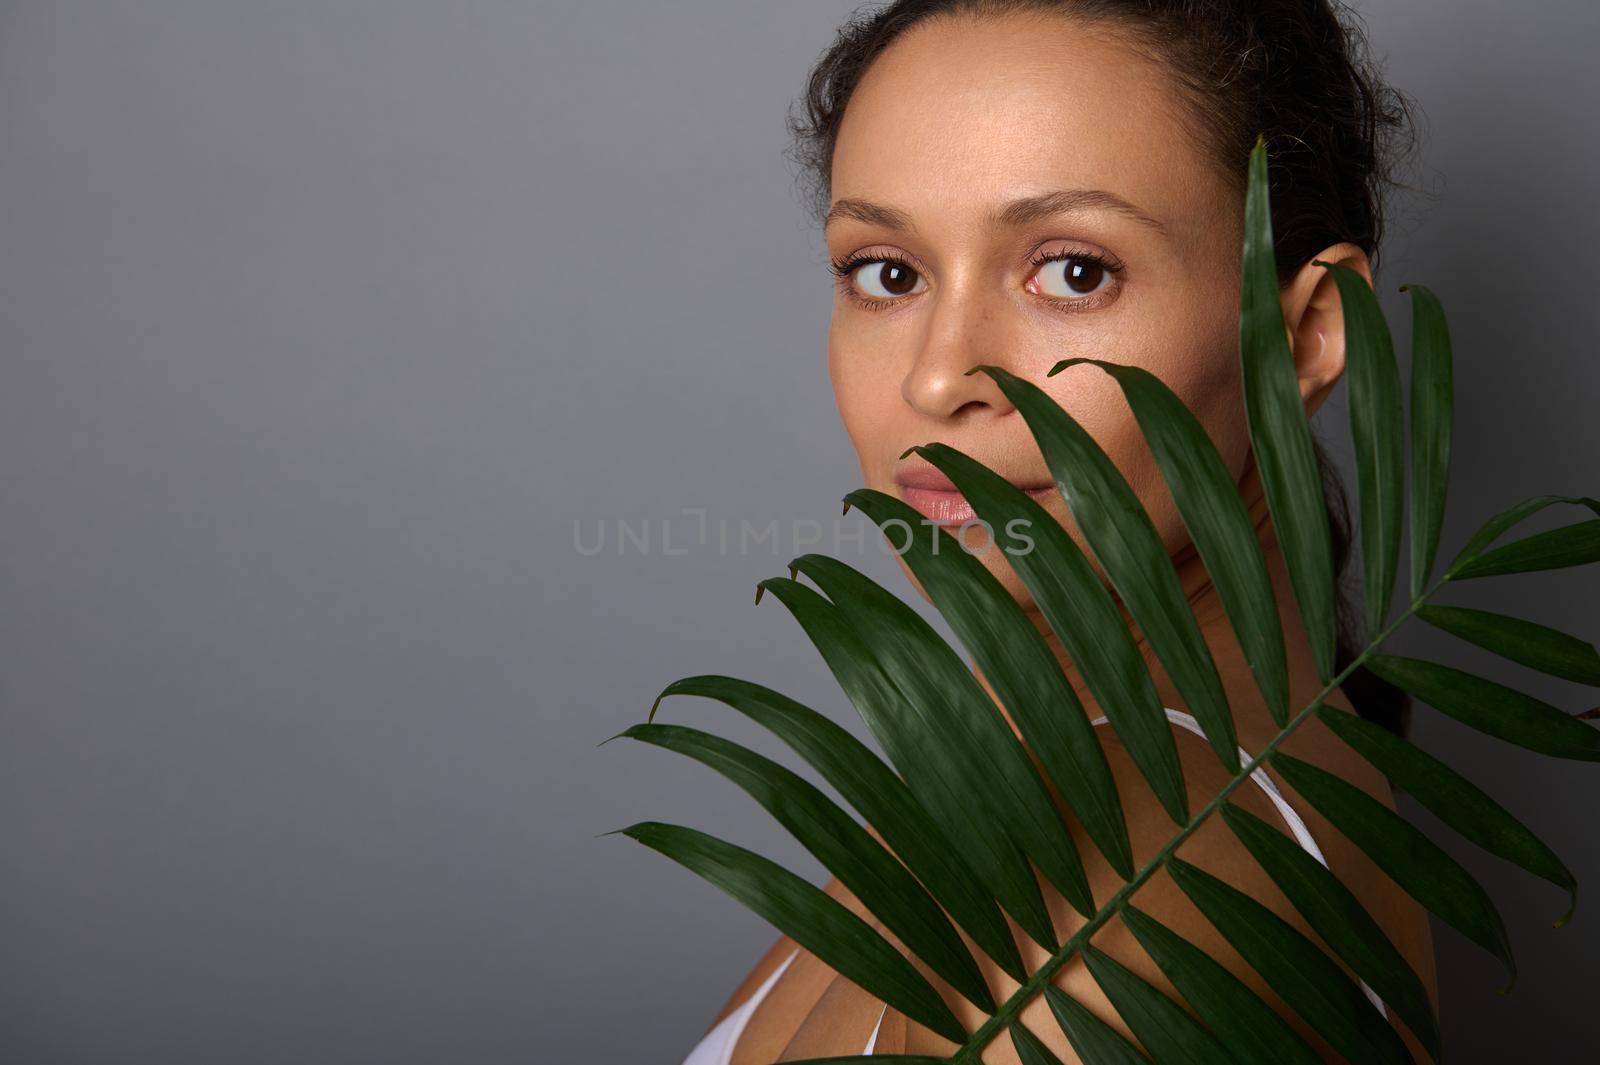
{"x":970,"y":114}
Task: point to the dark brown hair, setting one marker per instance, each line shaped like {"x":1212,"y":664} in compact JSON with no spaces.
{"x":1297,"y":72}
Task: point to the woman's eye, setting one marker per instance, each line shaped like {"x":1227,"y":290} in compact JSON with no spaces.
{"x":1070,"y":278}
{"x":886,"y":279}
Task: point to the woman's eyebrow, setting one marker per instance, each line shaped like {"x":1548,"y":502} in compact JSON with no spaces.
{"x":1016,"y":213}
{"x":873,"y":214}
{"x":1065,"y":201}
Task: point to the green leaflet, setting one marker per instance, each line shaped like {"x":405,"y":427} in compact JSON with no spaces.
{"x":1096,"y":1042}
{"x":1029,"y":1049}
{"x":1571,"y":545}
{"x":1083,"y":615}
{"x":1307,"y":979}
{"x":808,"y":916}
{"x":1164,"y":1027}
{"x":878,"y":795}
{"x":1251,"y":1030}
{"x":1491,"y":708}
{"x":1029,"y":682}
{"x":1454,"y":799}
{"x":843,"y":847}
{"x":1535,"y":646}
{"x":1413,"y":861}
{"x":1432,"y":412}
{"x":1504,"y":521}
{"x":1130,"y":550}
{"x":952,"y":784}
{"x":1279,"y":433}
{"x":1377,"y":427}
{"x":1025,"y":675}
{"x":1335,"y":914}
{"x":1218,"y":522}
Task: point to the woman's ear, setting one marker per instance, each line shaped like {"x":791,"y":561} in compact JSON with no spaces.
{"x":1314,"y":318}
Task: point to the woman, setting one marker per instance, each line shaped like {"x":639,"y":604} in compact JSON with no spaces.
{"x":1020,"y":182}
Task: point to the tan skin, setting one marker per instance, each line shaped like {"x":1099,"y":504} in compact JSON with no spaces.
{"x":958,"y":120}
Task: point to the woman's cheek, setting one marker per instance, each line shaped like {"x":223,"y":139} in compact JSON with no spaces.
{"x":862,"y":407}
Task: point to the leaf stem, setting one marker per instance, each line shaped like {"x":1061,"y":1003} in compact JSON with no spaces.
{"x":1012,"y":1006}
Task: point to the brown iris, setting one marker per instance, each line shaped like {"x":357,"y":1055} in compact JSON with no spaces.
{"x":1084,"y":276}
{"x":896,"y":278}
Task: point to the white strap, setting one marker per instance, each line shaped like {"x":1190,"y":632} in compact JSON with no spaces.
{"x":717,"y":1046}
{"x":872,"y":1044}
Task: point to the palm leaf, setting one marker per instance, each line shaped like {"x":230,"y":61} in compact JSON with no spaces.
{"x":843,"y":847}
{"x":1030,"y":1051}
{"x":1492,"y":708}
{"x":1432,"y":408}
{"x":1171,"y":1035}
{"x":878,"y":795}
{"x":1279,"y":434}
{"x":1378,"y":429}
{"x":1080,"y":609}
{"x":953,"y":707}
{"x":1507,"y":520}
{"x":1217,"y":519}
{"x":808,"y":916}
{"x":965,"y":805}
{"x":1125,"y":541}
{"x":1028,"y":679}
{"x":1246,"y":1025}
{"x":911,"y":732}
{"x":1335,"y":914}
{"x":1525,"y":642}
{"x":1419,"y":865}
{"x":1096,"y":1042}
{"x":1454,"y":799}
{"x":1571,"y":545}
{"x":1307,"y":979}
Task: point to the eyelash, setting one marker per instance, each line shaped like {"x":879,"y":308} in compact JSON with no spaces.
{"x":843,"y":267}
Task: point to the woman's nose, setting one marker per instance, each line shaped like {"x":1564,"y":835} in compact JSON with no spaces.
{"x":964,"y":331}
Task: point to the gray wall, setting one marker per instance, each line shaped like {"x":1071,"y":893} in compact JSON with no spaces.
{"x":322,"y":324}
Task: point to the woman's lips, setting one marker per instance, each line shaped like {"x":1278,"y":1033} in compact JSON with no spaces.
{"x":932,"y":495}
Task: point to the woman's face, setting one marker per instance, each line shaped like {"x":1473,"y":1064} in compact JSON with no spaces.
{"x":1017,"y":191}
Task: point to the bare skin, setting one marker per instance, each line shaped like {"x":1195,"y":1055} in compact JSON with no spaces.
{"x":1138,"y":263}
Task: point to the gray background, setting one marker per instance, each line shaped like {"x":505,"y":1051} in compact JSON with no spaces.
{"x":322,"y":324}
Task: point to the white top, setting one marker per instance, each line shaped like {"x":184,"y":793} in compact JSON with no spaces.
{"x":717,"y":1046}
